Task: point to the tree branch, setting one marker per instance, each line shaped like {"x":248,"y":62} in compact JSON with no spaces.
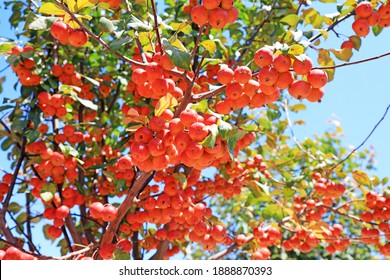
{"x":353,"y":63}
{"x":142,"y":180}
{"x":285,"y":107}
{"x":156,"y":25}
{"x":365,"y":140}
{"x":3,"y":222}
{"x":254,"y":35}
{"x":333,"y":25}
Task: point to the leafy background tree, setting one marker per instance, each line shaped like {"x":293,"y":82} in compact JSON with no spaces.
{"x":262,"y":198}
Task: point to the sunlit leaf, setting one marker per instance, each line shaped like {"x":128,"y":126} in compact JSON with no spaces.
{"x":85,"y":3}
{"x":291,"y":19}
{"x":184,"y":27}
{"x":51,"y":9}
{"x":361,"y":177}
{"x":298,"y":107}
{"x":209,"y":141}
{"x":296,"y":49}
{"x":48,"y":191}
{"x":106,"y":25}
{"x":343,"y":54}
{"x":166,"y":102}
{"x":209,"y":45}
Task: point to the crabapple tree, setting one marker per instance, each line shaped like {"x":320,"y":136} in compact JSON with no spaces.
{"x":141,"y":131}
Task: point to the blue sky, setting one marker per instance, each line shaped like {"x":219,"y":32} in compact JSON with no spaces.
{"x":357,"y":97}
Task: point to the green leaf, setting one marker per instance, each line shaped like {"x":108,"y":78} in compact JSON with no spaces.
{"x":35,"y":22}
{"x":48,"y":191}
{"x":176,"y":56}
{"x":106,"y":25}
{"x":116,"y":44}
{"x":328,"y":1}
{"x":47,"y":236}
{"x":272,"y":211}
{"x":14,"y":207}
{"x":120,"y":255}
{"x":7,"y":143}
{"x":137,"y":24}
{"x":26,"y":91}
{"x":202,"y":106}
{"x":71,"y":90}
{"x":357,"y":41}
{"x":291,"y":19}
{"x":68,"y":150}
{"x":32,"y":135}
{"x":376,"y":29}
{"x":5,"y":47}
{"x":361,"y":178}
{"x":181,"y":178}
{"x":209,"y":141}
{"x":225,"y":129}
{"x":109,"y":175}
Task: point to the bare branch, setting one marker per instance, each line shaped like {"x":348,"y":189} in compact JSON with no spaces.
{"x":285,"y":107}
{"x":3,"y":222}
{"x":134,"y":191}
{"x":365,"y":140}
{"x":333,"y":25}
{"x":353,"y":63}
{"x":156,"y":25}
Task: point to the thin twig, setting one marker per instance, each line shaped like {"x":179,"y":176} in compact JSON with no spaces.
{"x":365,"y":140}
{"x":257,"y":29}
{"x":156,"y":25}
{"x":353,"y":63}
{"x":3,"y":222}
{"x":333,"y":25}
{"x":34,"y":249}
{"x":285,"y":107}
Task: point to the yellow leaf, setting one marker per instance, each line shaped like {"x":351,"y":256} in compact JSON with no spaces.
{"x":343,"y":54}
{"x":87,"y":17}
{"x":324,"y":34}
{"x":361,"y":178}
{"x":184,"y":27}
{"x":296,"y":49}
{"x":85,"y":3}
{"x":298,"y":107}
{"x":165,"y":102}
{"x":68,"y":20}
{"x":51,"y":9}
{"x":209,"y":45}
{"x":71,"y":5}
{"x":176,"y":43}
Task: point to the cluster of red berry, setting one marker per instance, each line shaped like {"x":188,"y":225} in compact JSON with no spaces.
{"x":67,"y":35}
{"x":367,"y":16}
{"x":24,"y":65}
{"x":216,"y":13}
